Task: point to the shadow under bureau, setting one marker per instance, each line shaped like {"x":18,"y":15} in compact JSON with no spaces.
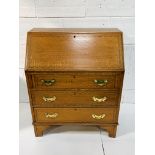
{"x":74,"y":76}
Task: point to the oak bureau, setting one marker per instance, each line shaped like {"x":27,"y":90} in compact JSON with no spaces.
{"x":74,"y":76}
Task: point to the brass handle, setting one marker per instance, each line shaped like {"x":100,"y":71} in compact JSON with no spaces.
{"x":49,"y":99}
{"x":98,"y":116}
{"x":95,"y":99}
{"x":48,"y":82}
{"x":54,"y":115}
{"x":101,"y":82}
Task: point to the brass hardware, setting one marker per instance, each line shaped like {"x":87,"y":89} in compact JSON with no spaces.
{"x":95,"y":99}
{"x":49,"y":99}
{"x":48,"y":82}
{"x":54,"y":115}
{"x":101,"y":82}
{"x":98,"y":116}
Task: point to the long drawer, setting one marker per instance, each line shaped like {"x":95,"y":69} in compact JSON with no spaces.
{"x":78,"y":98}
{"x":77,"y":80}
{"x":76,"y":115}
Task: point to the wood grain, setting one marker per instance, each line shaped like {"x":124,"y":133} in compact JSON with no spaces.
{"x":74,"y":51}
{"x":74,"y":80}
{"x":80,"y":98}
{"x":73,"y":115}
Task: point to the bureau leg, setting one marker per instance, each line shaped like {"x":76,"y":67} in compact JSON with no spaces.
{"x":111,"y":129}
{"x":39,"y":130}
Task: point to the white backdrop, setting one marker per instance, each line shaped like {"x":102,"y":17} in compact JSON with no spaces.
{"x":84,"y":14}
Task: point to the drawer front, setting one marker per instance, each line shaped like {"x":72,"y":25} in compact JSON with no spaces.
{"x":74,"y":115}
{"x":75,"y":98}
{"x":95,"y":80}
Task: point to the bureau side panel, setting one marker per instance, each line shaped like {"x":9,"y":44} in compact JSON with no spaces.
{"x":29,"y":81}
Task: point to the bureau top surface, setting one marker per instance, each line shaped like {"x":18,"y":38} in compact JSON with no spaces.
{"x":74,"y":50}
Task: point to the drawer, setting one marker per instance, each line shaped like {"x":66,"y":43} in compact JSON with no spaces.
{"x":75,"y":115}
{"x":75,"y":98}
{"x":96,"y":80}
